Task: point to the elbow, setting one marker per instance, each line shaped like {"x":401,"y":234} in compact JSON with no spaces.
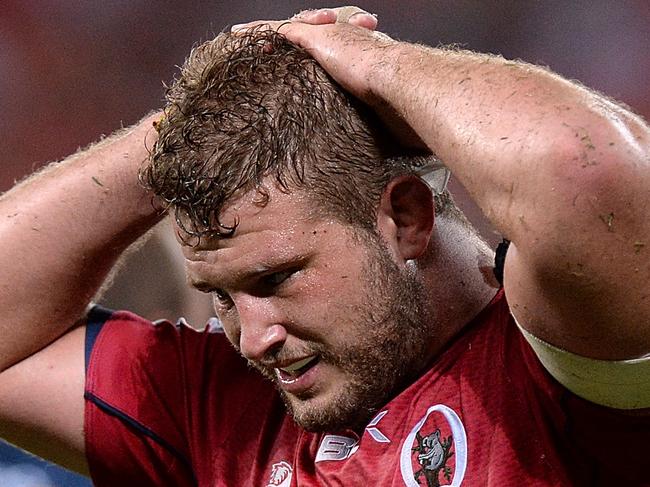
{"x":606,"y":157}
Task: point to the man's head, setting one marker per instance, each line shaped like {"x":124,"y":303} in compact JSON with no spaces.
{"x":308,"y":225}
{"x":247,"y":107}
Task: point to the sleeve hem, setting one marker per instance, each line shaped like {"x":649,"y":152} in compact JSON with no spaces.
{"x":619,"y":384}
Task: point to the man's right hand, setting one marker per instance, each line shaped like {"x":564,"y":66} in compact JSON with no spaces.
{"x":333,"y":36}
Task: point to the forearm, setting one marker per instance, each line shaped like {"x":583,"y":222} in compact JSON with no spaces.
{"x":61,"y":231}
{"x":521,"y":139}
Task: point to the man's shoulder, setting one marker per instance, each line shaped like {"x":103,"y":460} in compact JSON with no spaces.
{"x":127,"y":332}
{"x":153,"y":356}
{"x":146,"y":384}
{"x":490,"y":324}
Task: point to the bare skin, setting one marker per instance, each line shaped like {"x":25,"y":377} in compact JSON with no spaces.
{"x":575,"y":209}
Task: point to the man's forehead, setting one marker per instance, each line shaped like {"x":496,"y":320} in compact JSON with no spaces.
{"x":277,"y":212}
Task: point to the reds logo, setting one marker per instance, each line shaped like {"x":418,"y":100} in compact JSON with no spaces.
{"x":280,"y":475}
{"x":440,"y":457}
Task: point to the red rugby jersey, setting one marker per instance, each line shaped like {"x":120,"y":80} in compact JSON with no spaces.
{"x":169,"y":406}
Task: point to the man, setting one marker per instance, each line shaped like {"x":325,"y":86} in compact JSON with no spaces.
{"x":367,"y":301}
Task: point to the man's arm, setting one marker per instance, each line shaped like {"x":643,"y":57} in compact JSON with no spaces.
{"x":561,"y":171}
{"x":61,"y":232}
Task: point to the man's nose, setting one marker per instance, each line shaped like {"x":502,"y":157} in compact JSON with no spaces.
{"x":261,"y":328}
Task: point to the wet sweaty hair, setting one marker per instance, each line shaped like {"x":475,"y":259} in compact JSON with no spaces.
{"x":253,"y":109}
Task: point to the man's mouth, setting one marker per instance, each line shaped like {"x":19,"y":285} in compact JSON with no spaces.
{"x":290,"y":373}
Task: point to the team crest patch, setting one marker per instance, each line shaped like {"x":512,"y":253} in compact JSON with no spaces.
{"x":434,"y":453}
{"x":281,"y":473}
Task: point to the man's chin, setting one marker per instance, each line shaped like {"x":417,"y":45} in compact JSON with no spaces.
{"x":323,"y":413}
{"x":316,"y":419}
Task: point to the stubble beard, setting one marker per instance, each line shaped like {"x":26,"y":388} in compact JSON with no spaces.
{"x":387,"y":353}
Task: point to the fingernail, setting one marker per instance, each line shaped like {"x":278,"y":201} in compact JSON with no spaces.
{"x":368,"y":14}
{"x":331,"y":14}
{"x":304,"y":13}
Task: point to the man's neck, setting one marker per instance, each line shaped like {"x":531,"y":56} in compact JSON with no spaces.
{"x":458,"y":273}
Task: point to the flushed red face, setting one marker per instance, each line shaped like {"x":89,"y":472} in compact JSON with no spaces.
{"x":325,"y":312}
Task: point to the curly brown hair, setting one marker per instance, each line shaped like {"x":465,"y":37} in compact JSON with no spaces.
{"x":253,"y":108}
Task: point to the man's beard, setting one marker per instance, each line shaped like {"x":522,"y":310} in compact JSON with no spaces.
{"x":387,"y":350}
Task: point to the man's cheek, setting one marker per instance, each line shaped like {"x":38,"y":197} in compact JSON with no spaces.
{"x":232,"y":331}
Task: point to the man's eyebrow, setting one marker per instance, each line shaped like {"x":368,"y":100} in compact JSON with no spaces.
{"x":268,"y":266}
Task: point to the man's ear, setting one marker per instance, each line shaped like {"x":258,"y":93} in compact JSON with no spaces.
{"x":405,"y":216}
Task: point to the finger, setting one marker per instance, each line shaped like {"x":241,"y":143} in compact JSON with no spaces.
{"x":343,"y":14}
{"x":364,"y":20}
{"x":316,"y":17}
{"x":270,"y":24}
{"x":339,"y":15}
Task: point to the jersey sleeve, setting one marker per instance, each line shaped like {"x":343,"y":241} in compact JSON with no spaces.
{"x":618,"y":384}
{"x":135,"y":414}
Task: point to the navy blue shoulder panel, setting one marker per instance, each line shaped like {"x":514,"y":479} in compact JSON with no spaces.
{"x":500,"y":259}
{"x":95,"y":320}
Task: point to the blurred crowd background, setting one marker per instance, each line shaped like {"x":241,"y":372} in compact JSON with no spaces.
{"x":71,"y":71}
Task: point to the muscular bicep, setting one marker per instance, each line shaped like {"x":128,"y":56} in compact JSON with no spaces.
{"x":594,"y":308}
{"x":42,"y":404}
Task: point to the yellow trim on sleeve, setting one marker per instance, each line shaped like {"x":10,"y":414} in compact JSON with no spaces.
{"x":620,"y":384}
